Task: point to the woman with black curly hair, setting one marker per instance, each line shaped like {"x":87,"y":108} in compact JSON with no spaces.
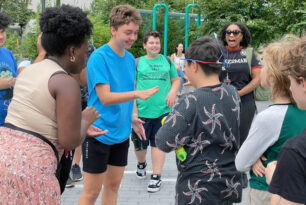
{"x":46,"y":105}
{"x":236,"y":37}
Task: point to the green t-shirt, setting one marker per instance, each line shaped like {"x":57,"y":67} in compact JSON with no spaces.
{"x":151,"y":73}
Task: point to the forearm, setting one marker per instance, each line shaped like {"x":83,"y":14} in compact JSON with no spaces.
{"x":40,"y":57}
{"x":112,"y":98}
{"x":249,"y":87}
{"x":175,"y":84}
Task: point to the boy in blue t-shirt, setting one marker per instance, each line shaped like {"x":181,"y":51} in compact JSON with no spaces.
{"x":111,"y":87}
{"x":8,"y":70}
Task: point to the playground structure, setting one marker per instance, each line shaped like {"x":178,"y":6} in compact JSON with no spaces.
{"x":187,"y":20}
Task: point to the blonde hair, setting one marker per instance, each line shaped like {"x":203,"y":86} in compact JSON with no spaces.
{"x":124,"y":14}
{"x":273,"y":56}
{"x":295,"y":60}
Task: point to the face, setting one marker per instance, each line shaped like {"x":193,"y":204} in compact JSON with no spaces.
{"x":80,"y":58}
{"x":233,"y":36}
{"x":180,"y":48}
{"x":298,"y":91}
{"x":152,"y":46}
{"x":125,"y":35}
{"x":264,"y":81}
{"x":2,"y":37}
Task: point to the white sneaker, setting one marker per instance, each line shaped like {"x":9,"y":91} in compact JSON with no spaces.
{"x":141,"y":171}
{"x":155,"y":183}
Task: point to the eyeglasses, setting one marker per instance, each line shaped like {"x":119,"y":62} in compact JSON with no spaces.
{"x":235,"y":32}
{"x":198,"y":61}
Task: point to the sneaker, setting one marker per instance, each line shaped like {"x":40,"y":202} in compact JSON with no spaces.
{"x":69,"y":183}
{"x":76,"y":173}
{"x":141,"y":170}
{"x":155,"y":183}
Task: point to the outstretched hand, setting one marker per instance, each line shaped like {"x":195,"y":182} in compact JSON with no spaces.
{"x":137,"y":125}
{"x":146,"y":94}
{"x":93,"y":131}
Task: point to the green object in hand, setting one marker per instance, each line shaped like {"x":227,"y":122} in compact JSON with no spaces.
{"x":181,"y":154}
{"x":6,"y":72}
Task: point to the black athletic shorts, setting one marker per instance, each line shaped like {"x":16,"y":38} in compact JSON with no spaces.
{"x":97,"y":155}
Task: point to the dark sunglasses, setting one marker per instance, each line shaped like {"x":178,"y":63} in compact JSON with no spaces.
{"x":235,"y":32}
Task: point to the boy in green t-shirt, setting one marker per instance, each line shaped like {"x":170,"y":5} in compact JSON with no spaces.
{"x":153,"y":69}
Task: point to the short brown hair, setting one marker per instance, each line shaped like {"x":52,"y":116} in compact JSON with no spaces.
{"x":124,"y":14}
{"x":273,"y":56}
{"x":152,"y":33}
{"x":295,"y":60}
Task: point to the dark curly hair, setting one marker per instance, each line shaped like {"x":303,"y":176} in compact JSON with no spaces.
{"x":4,"y":21}
{"x":63,"y":26}
{"x":205,"y":49}
{"x":246,"y":40}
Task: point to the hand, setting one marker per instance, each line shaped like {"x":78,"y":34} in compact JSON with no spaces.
{"x":146,"y":94}
{"x":6,"y":82}
{"x":170,"y":99}
{"x":90,"y":114}
{"x":95,"y":132}
{"x":269,"y":171}
{"x":137,"y":125}
{"x":187,"y":84}
{"x":258,"y":168}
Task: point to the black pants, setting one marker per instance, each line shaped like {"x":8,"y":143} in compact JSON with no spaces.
{"x":247,"y":112}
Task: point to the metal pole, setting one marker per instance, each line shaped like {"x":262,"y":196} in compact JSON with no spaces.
{"x":165,"y":24}
{"x":43,"y":5}
{"x":187,"y":22}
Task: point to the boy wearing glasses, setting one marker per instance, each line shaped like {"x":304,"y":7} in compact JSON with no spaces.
{"x":206,"y":123}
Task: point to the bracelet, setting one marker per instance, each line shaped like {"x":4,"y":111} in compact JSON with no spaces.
{"x":135,"y":114}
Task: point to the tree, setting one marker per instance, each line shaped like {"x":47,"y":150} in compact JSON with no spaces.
{"x":18,"y":11}
{"x":267,"y":20}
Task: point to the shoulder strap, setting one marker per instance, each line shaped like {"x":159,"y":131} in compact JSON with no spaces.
{"x":136,"y":63}
{"x":13,"y":127}
{"x":249,"y":54}
{"x":168,"y":59}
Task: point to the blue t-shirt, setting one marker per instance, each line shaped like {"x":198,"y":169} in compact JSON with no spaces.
{"x":7,"y":65}
{"x":106,"y":67}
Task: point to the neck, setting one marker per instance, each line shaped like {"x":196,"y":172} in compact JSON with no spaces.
{"x":209,"y":81}
{"x":179,"y":53}
{"x":280,"y":100}
{"x":151,"y":56}
{"x":116,"y":48}
{"x":59,"y":61}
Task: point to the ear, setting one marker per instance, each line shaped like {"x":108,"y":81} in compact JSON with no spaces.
{"x":303,"y":83}
{"x":195,"y":66}
{"x":72,"y":51}
{"x":144,"y":45}
{"x":113,"y":30}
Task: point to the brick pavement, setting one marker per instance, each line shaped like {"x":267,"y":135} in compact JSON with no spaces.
{"x":133,"y":191}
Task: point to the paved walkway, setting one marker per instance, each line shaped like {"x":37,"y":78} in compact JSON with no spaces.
{"x":133,"y":191}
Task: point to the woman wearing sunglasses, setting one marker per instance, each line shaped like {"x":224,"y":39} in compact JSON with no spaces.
{"x":236,"y":37}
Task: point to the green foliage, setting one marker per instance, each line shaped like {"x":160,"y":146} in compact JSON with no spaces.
{"x":266,"y":20}
{"x":11,"y":42}
{"x":28,"y":47}
{"x":17,"y":10}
